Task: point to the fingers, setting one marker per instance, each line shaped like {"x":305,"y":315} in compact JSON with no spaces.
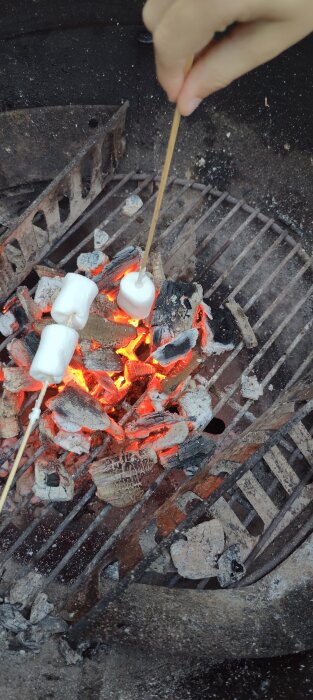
{"x":182,"y":28}
{"x":153,"y":12}
{"x":247,"y":47}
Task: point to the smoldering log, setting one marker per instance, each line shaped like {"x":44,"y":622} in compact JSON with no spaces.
{"x":18,"y":379}
{"x":79,"y":407}
{"x":124,"y":261}
{"x":176,"y":349}
{"x":102,"y":306}
{"x":192,"y":454}
{"x":195,"y":404}
{"x":32,"y":310}
{"x":100,"y":360}
{"x":223,"y":326}
{"x":77,"y":442}
{"x":109,"y":391}
{"x":83,"y":410}
{"x":151,"y":423}
{"x":181,"y":375}
{"x":107,"y":333}
{"x":45,"y":271}
{"x":196,"y":556}
{"x":134,"y":370}
{"x":174,"y":310}
{"x":170,"y":436}
{"x":118,"y":478}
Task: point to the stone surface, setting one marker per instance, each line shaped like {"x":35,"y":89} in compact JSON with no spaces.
{"x":92,"y":262}
{"x":132,"y":205}
{"x":40,"y":608}
{"x":25,"y":589}
{"x":11,"y":619}
{"x":250,"y":387}
{"x":8,"y":323}
{"x":100,"y":238}
{"x":196,"y":557}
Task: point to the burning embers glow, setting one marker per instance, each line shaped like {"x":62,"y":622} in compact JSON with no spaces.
{"x":121,"y":365}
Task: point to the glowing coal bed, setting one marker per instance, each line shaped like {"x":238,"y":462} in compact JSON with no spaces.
{"x":128,"y":393}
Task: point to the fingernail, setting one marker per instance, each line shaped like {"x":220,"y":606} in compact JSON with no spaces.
{"x":193,"y":104}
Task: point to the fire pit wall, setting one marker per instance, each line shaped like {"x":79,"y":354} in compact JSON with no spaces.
{"x":143,"y":406}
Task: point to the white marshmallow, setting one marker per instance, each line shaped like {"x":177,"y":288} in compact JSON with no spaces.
{"x":55,"y":351}
{"x":74,"y":300}
{"x":136,"y":299}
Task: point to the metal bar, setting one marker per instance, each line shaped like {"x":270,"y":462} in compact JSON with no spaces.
{"x":285,"y":550}
{"x":256,"y":266}
{"x":84,"y":536}
{"x":187,"y":212}
{"x":222,"y":223}
{"x":302,"y":438}
{"x":113,"y":539}
{"x":241,"y":255}
{"x":257,"y":497}
{"x":150,"y":201}
{"x":36,"y":521}
{"x":68,"y":519}
{"x":257,"y":325}
{"x":108,"y":218}
{"x":306,"y":362}
{"x":279,"y":466}
{"x":121,"y":181}
{"x":267,"y":378}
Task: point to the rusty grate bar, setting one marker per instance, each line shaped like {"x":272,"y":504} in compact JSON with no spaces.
{"x":26,"y":243}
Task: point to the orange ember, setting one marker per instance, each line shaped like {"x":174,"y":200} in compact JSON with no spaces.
{"x":77,"y":376}
{"x":128,"y":351}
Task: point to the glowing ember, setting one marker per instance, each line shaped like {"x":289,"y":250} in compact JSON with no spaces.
{"x":107,"y":383}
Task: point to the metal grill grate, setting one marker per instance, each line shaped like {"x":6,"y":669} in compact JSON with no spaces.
{"x":236,"y":253}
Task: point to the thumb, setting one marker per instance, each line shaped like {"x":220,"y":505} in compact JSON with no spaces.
{"x":248,"y":46}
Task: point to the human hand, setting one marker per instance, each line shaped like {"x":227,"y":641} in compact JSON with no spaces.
{"x":185,"y":28}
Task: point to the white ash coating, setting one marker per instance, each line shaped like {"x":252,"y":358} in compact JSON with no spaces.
{"x":132,"y":205}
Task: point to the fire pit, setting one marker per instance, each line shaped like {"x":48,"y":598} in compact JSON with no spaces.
{"x":163,"y":427}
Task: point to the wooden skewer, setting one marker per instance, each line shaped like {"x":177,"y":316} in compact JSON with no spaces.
{"x":22,"y":446}
{"x":163,"y":181}
{"x":33,"y":417}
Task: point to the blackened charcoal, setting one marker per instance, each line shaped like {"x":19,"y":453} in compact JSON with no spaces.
{"x":193,"y":454}
{"x":125,"y":259}
{"x":176,"y":349}
{"x":223,"y":326}
{"x":174,"y":309}
{"x":230,"y":566}
{"x":32,"y":341}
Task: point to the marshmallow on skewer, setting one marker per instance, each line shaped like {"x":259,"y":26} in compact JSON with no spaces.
{"x":74,"y":300}
{"x":136,"y":295}
{"x":55,"y":351}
